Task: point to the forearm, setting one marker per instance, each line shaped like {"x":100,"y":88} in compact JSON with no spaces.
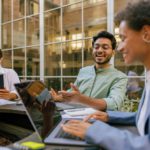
{"x":98,"y":104}
{"x":113,"y":139}
{"x":124,"y":118}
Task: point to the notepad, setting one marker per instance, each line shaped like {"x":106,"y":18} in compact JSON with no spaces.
{"x":80,"y":111}
{"x":6,"y":102}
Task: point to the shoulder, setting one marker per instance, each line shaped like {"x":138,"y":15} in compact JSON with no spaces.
{"x":9,"y":71}
{"x":119,"y":73}
{"x":87,"y":68}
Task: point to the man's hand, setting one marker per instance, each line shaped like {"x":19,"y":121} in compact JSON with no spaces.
{"x":76,"y":127}
{"x":73,"y":96}
{"x":56,"y":97}
{"x":99,"y":115}
{"x":5,"y":94}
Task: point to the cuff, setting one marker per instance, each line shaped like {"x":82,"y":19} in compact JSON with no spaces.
{"x":95,"y":132}
{"x":111,"y":105}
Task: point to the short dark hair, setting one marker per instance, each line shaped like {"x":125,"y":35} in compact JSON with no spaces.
{"x":1,"y":55}
{"x":135,"y":14}
{"x":105,"y":34}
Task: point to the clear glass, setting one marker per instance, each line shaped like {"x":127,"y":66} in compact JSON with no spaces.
{"x":32,"y":7}
{"x":6,"y":10}
{"x":88,"y":59}
{"x":33,"y":30}
{"x":33,"y":61}
{"x":72,"y":23}
{"x":95,"y":17}
{"x":52,"y":59}
{"x":52,"y":26}
{"x":18,"y":8}
{"x":19,"y":33}
{"x":135,"y":69}
{"x":19,"y":61}
{"x":120,"y":4}
{"x":7,"y":59}
{"x":72,"y":58}
{"x":54,"y":83}
{"x":66,"y":83}
{"x":32,"y":78}
{"x":68,"y":2}
{"x":52,"y":4}
{"x":6,"y":36}
{"x":135,"y":88}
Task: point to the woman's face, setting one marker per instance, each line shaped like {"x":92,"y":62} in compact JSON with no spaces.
{"x":132,"y":45}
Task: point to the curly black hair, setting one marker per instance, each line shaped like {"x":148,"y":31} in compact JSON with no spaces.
{"x":1,"y":55}
{"x":105,"y":34}
{"x":135,"y":14}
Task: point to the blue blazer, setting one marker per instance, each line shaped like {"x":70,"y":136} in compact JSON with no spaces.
{"x":111,"y":138}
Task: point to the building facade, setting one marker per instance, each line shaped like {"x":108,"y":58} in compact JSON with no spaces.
{"x":51,"y":39}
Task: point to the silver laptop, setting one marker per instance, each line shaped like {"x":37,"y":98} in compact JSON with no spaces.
{"x":54,"y":137}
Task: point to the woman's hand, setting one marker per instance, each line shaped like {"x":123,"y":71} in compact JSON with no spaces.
{"x":99,"y":115}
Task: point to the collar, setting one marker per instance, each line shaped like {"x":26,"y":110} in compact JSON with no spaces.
{"x":104,"y":69}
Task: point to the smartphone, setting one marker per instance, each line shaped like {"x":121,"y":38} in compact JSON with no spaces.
{"x":38,"y":89}
{"x":1,"y":81}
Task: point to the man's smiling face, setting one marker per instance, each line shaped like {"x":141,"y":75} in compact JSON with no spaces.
{"x":102,"y":51}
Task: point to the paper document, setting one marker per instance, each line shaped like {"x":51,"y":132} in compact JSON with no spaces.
{"x":6,"y":102}
{"x":80,"y":112}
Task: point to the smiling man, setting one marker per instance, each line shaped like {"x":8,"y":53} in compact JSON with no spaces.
{"x":100,"y":86}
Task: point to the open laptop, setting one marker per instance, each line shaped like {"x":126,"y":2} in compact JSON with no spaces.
{"x":55,"y":136}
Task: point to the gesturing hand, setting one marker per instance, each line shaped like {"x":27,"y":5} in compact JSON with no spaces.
{"x":73,"y":96}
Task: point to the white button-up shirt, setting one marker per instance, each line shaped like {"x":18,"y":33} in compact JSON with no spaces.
{"x":10,"y":78}
{"x":145,"y":107}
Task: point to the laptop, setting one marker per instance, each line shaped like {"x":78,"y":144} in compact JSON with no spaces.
{"x":56,"y":136}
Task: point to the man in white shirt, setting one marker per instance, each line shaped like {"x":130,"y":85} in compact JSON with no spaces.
{"x":10,"y":78}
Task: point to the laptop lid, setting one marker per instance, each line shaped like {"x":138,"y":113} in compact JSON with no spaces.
{"x":55,"y":136}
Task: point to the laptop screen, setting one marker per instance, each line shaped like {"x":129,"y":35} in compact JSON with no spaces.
{"x":40,"y":112}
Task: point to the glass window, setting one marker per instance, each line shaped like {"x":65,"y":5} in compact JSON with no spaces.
{"x":54,"y":83}
{"x":52,"y":58}
{"x":33,"y":61}
{"x":120,"y":4}
{"x":7,"y":59}
{"x":32,"y":7}
{"x":68,"y":2}
{"x":72,"y":23}
{"x":88,"y":59}
{"x":135,"y":68}
{"x":51,"y":4}
{"x":31,"y":78}
{"x":18,"y":33}
{"x":6,"y":36}
{"x":6,"y":10}
{"x":33,"y":30}
{"x":66,"y":83}
{"x":135,"y":88}
{"x":52,"y":26}
{"x":95,"y":17}
{"x":19,"y":61}
{"x":72,"y":57}
{"x":18,"y":8}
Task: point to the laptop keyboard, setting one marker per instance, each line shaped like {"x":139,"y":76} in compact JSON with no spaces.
{"x":62,"y":134}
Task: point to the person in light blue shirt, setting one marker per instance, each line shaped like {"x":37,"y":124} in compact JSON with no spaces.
{"x":134,"y":26}
{"x":100,"y":86}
